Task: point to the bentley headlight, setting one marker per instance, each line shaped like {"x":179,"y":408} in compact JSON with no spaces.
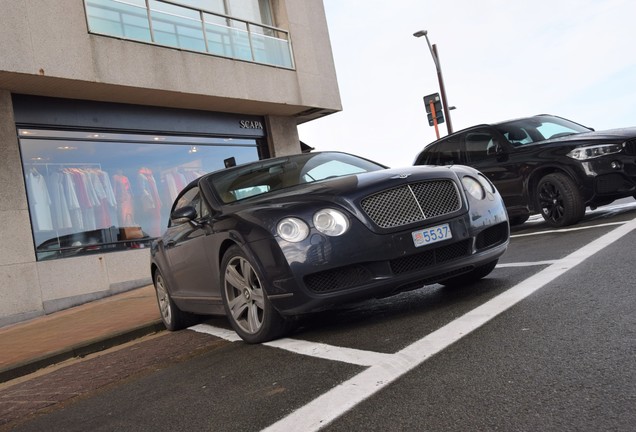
{"x":292,"y":229}
{"x":331,"y":222}
{"x":594,"y":151}
{"x":486,"y":183}
{"x":473,"y":187}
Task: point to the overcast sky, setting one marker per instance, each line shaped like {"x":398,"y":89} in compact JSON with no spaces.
{"x":500,"y":60}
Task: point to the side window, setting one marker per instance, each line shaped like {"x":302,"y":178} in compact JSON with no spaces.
{"x":480,"y":146}
{"x":429,"y":156}
{"x":190,"y":198}
{"x":193,"y":198}
{"x":443,"y":153}
{"x":449,"y":152}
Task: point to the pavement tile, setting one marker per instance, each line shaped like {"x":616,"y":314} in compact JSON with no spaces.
{"x":69,"y":330}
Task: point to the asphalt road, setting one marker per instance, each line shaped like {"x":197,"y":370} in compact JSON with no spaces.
{"x":546,"y":342}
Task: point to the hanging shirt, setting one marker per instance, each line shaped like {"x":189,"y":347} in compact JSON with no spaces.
{"x":41,"y":202}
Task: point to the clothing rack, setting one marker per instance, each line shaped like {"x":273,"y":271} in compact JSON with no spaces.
{"x":63,"y":165}
{"x":89,"y":164}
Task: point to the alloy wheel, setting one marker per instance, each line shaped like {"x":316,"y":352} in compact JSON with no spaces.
{"x":163,"y":299}
{"x":244,"y":293}
{"x":551,"y":202}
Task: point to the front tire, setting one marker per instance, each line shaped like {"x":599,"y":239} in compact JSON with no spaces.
{"x":173,"y":317}
{"x":470,"y":277}
{"x":250,"y":312}
{"x":559,"y":200}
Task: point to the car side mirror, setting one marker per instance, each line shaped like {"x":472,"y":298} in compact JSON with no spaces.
{"x":183,"y":215}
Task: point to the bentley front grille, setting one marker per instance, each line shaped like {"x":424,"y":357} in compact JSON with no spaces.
{"x":431,"y":257}
{"x":412,"y":203}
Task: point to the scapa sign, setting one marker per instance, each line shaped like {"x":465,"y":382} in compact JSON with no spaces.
{"x":250,"y":124}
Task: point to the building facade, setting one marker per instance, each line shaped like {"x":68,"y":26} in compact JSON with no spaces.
{"x":109,"y":107}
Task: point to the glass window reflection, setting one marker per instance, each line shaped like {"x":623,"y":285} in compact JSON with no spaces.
{"x":93,"y":192}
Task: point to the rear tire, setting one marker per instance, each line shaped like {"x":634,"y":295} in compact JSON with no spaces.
{"x":559,"y":201}
{"x":173,"y":317}
{"x":247,"y":306}
{"x":470,"y":277}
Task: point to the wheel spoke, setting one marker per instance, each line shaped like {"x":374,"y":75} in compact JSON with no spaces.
{"x":551,"y":202}
{"x":258,"y":298}
{"x":253,"y":318}
{"x":234,"y":278}
{"x":164,"y":300}
{"x":247,"y":272}
{"x":238,"y":305}
{"x":163,"y":305}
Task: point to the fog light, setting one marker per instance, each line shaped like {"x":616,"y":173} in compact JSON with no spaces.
{"x":616,"y":165}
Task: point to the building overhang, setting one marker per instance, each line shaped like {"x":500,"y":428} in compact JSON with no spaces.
{"x":74,"y":89}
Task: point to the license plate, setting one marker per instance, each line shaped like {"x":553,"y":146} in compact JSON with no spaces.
{"x":431,"y":235}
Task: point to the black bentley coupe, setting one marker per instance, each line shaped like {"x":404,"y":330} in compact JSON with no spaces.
{"x":267,"y":241}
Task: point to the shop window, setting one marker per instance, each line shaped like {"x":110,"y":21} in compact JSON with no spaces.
{"x":94,"y":192}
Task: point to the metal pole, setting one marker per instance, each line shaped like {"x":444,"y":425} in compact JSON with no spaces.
{"x":442,"y":89}
{"x":431,"y":105}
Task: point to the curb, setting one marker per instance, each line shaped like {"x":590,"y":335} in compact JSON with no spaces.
{"x":79,"y":350}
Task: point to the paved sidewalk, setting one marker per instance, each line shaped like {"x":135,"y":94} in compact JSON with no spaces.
{"x":78,"y":331}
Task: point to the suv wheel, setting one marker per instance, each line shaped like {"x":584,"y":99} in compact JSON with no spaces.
{"x":558,"y":200}
{"x":518,"y":219}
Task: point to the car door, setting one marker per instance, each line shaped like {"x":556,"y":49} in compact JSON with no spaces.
{"x":489,"y":152}
{"x":185,"y":249}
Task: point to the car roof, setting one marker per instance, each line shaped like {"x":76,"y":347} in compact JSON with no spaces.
{"x":486,"y":125}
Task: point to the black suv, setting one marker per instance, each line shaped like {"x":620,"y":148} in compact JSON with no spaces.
{"x":544,"y":164}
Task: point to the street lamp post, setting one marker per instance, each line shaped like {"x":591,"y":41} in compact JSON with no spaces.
{"x":440,"y":79}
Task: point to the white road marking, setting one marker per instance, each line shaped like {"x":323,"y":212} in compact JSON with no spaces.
{"x":525,"y":264}
{"x":228,"y":335}
{"x":334,"y":403}
{"x":330,"y":352}
{"x":312,"y":349}
{"x":567,"y":229}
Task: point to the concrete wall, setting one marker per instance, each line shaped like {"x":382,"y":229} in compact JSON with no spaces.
{"x":19,"y":281}
{"x":46,"y":50}
{"x":29,"y":288}
{"x":58,"y":57}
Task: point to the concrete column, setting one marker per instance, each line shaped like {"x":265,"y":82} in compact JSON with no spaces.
{"x":20,"y":286}
{"x":282,"y":136}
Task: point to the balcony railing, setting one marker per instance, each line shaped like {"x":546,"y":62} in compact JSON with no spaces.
{"x":174,"y":25}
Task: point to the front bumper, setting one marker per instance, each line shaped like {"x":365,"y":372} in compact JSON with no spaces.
{"x":332,"y":270}
{"x":609,"y":177}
